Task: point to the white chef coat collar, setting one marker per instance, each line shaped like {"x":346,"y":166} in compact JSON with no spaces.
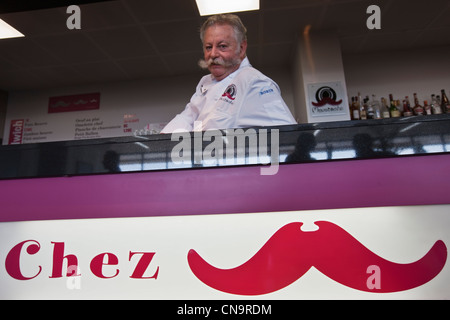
{"x":245,"y":63}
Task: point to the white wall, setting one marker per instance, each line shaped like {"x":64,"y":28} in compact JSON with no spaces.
{"x":318,"y":61}
{"x":423,"y":71}
{"x":149,"y":101}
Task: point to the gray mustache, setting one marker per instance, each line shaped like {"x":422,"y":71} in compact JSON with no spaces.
{"x":205,"y":64}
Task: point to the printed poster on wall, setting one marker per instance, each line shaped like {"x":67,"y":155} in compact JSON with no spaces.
{"x":77,"y":117}
{"x":75,"y":127}
{"x":326,"y":99}
{"x":66,"y":126}
{"x":78,"y":102}
{"x":81,"y":127}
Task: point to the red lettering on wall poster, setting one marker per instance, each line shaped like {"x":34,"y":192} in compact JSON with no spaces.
{"x":78,"y":102}
{"x":16,"y":131}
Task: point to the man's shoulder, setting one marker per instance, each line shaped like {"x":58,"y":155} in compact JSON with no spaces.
{"x":205,"y":82}
{"x":250,"y":73}
{"x":253,"y":77}
{"x":205,"y":79}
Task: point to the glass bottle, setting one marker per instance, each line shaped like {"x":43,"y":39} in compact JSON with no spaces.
{"x":418,"y":109}
{"x":384,"y":109}
{"x":407,"y":112}
{"x":350,"y":108}
{"x":395,"y":113}
{"x":398,"y":104}
{"x":435,"y":106}
{"x":445,"y":104}
{"x":354,"y":109}
{"x":426,"y":108}
{"x":376,"y":108}
{"x":362,"y":109}
{"x":369,"y":108}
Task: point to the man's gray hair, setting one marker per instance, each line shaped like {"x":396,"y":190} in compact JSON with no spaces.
{"x":234,"y":21}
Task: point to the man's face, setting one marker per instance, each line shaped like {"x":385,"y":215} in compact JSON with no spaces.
{"x":222,"y":49}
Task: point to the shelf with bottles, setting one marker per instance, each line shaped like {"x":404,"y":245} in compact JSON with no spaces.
{"x":365,"y":108}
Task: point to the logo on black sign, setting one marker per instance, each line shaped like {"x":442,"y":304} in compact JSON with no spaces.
{"x":326,"y":95}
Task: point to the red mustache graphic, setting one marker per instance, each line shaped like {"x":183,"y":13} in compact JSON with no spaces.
{"x":290,"y":253}
{"x":325,"y":101}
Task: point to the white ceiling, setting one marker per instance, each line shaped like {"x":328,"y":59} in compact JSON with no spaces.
{"x":135,"y":39}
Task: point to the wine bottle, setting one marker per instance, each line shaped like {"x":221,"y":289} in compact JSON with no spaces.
{"x":426,"y":108}
{"x":407,"y":112}
{"x":445,"y":105}
{"x":393,"y":110}
{"x":418,"y":109}
{"x":354,"y":109}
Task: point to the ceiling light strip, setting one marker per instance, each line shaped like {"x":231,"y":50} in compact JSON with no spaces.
{"x":7,"y":31}
{"x":210,"y":7}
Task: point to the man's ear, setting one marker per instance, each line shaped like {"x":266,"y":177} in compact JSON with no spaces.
{"x":243,"y":51}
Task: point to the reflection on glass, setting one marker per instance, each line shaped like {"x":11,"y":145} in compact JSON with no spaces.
{"x":111,"y":161}
{"x":305,"y":144}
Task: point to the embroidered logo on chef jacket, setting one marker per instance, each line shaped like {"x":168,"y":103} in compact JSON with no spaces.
{"x":265,"y":90}
{"x":230,"y":93}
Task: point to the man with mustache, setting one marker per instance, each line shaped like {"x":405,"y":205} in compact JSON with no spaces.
{"x":234,"y":95}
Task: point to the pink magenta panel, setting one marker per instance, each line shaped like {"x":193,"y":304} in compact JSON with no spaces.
{"x":324,"y":185}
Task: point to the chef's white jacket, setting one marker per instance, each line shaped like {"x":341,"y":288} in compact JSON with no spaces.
{"x":246,"y":98}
